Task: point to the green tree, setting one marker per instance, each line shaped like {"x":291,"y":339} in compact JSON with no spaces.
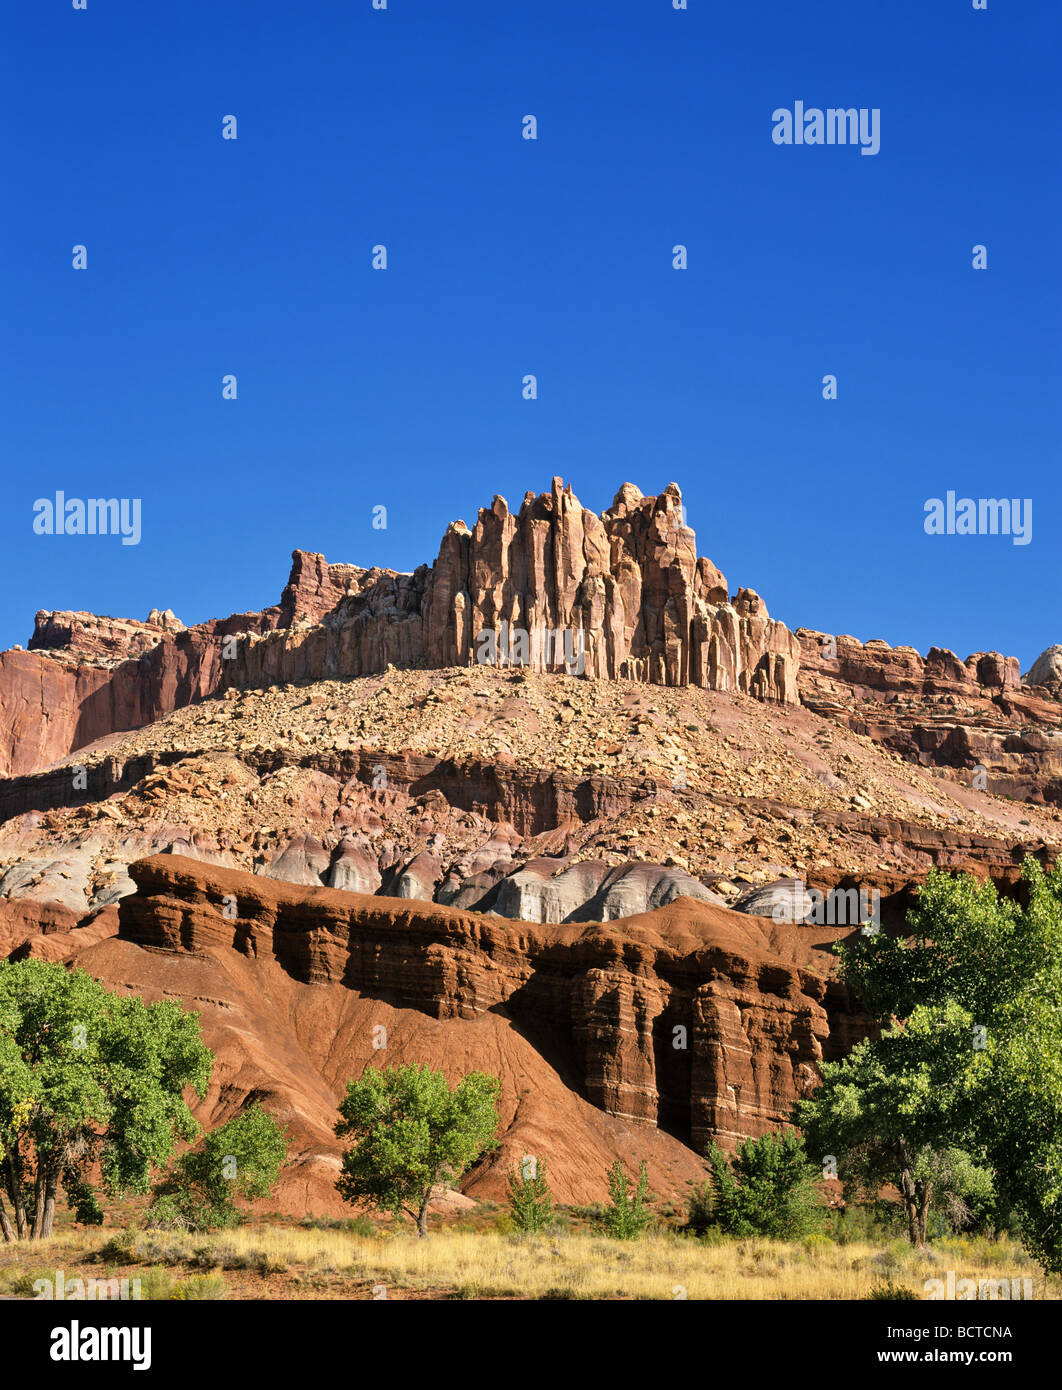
{"x":766,"y":1188}
{"x":889,"y":1112}
{"x":239,"y":1159}
{"x":87,"y":1077}
{"x":411,"y":1130}
{"x":970,"y":1056}
{"x":530,"y":1198}
{"x":628,"y":1213}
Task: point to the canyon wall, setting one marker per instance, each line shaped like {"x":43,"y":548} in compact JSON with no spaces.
{"x":693,"y":1019}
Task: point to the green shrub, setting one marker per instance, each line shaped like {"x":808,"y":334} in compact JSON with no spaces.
{"x":22,"y":1284}
{"x":238,"y":1159}
{"x":700,"y":1209}
{"x":816,"y":1243}
{"x":767,"y":1188}
{"x":628,"y":1215}
{"x":119,"y":1249}
{"x":892,"y":1291}
{"x":157,"y":1284}
{"x":363,"y":1226}
{"x":866,"y":1223}
{"x":530,"y":1198}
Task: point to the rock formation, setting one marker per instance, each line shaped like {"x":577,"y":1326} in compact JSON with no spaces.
{"x":620,"y":595}
{"x":685,"y":1024}
{"x":1046,"y":670}
{"x":977,"y":715}
{"x":503,"y":868}
{"x":691,"y":1020}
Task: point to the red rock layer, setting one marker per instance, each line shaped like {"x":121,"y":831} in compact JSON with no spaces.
{"x":638,"y":1040}
{"x":937,"y":710}
{"x":692,"y":1018}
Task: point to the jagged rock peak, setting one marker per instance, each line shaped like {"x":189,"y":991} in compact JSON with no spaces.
{"x":1046,"y":669}
{"x":620,"y":595}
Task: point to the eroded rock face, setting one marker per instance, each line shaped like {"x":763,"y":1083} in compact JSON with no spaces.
{"x":53,"y":701}
{"x":617,"y":595}
{"x":553,"y":587}
{"x":979,"y":715}
{"x":690,"y":1018}
{"x":93,"y":638}
{"x":620,"y":595}
{"x":1046,"y":670}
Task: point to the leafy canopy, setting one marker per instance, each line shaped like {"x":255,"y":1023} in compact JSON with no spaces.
{"x":239,"y":1159}
{"x":411,"y":1130}
{"x":87,"y":1076}
{"x":766,"y":1188}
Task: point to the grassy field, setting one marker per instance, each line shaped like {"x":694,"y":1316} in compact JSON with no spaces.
{"x":278,"y":1261}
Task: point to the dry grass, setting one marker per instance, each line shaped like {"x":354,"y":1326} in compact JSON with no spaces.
{"x":288,"y":1262}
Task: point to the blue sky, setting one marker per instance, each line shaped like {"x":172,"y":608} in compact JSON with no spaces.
{"x":402,"y":388}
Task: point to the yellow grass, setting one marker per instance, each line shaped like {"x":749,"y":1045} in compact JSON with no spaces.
{"x":491,"y":1264}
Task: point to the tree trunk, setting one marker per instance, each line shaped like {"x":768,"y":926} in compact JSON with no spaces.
{"x":910,"y":1205}
{"x":50,"y":1185}
{"x":422,"y":1219}
{"x":5,"y":1224}
{"x":12,"y":1177}
{"x":923,"y":1212}
{"x":38,"y":1196}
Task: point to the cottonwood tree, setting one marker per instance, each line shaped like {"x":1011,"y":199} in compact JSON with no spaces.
{"x":87,"y":1077}
{"x":891,"y":1113}
{"x":412,"y":1131}
{"x":970,"y":1056}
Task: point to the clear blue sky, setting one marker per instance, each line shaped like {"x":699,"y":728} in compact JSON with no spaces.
{"x":403,"y":388}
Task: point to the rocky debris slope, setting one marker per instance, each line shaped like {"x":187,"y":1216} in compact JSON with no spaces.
{"x":530,"y":796}
{"x":640,"y":1040}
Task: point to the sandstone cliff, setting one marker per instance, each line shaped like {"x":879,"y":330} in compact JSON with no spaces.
{"x":625,"y":589}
